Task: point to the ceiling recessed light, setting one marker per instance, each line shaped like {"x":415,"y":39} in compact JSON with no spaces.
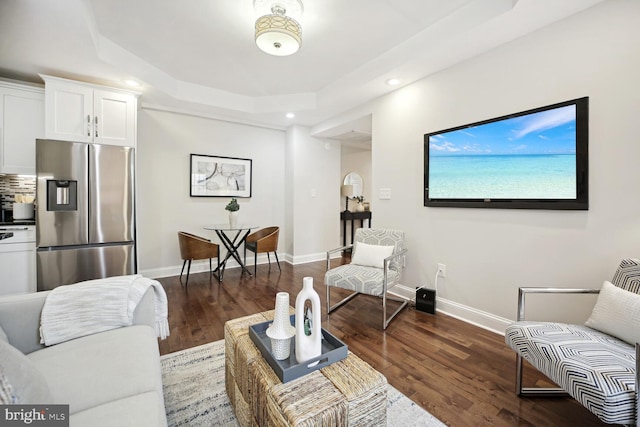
{"x":132,"y":83}
{"x":393,"y":82}
{"x":290,"y":115}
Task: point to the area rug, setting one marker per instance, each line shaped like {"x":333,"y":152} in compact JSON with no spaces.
{"x":194,"y":393}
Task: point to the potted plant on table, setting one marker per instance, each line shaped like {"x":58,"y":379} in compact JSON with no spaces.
{"x":233,"y":207}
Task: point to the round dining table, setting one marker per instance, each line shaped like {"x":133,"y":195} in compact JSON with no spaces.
{"x":232,"y":238}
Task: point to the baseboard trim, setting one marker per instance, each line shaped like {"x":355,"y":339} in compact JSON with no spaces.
{"x":203,"y":266}
{"x":304,"y":259}
{"x":471,"y":315}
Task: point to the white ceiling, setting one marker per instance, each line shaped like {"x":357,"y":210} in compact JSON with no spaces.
{"x":199,"y":56}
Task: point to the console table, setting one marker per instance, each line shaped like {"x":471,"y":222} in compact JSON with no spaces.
{"x":348,"y":392}
{"x":353,"y":216}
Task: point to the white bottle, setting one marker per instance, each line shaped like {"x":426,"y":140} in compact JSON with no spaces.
{"x":308,"y":346}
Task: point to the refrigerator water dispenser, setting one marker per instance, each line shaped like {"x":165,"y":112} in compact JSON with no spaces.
{"x":62,"y":195}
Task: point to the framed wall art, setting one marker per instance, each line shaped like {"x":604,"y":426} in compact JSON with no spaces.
{"x":216,"y":176}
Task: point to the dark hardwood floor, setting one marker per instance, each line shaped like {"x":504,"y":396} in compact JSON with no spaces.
{"x":462,"y":374}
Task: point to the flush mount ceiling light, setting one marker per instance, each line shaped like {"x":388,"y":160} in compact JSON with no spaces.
{"x":277,"y":30}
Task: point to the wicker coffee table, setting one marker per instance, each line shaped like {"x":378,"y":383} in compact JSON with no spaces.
{"x":346,"y":393}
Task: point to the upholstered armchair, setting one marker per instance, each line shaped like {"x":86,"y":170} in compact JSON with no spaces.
{"x":194,"y":247}
{"x":261,"y":241}
{"x":597,"y":363}
{"x":377,"y":259}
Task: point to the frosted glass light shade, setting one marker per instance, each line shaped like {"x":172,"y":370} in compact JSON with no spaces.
{"x":278,"y":35}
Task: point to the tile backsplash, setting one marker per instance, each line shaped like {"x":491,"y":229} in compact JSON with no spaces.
{"x":10,"y":185}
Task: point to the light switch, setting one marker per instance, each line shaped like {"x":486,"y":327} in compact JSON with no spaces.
{"x":314,"y":193}
{"x":385,"y":194}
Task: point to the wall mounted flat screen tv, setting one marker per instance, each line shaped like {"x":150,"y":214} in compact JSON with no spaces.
{"x":535,"y":159}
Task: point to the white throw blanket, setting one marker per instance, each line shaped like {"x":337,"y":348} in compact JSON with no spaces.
{"x":86,"y":308}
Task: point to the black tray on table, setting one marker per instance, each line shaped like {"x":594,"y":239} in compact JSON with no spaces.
{"x":289,"y":369}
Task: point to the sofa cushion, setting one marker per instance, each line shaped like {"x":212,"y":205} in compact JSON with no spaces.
{"x":596,"y":369}
{"x":89,"y":371}
{"x":22,"y":381}
{"x":135,"y":411}
{"x":617,"y":312}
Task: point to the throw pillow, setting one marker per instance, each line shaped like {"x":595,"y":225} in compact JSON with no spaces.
{"x":617,"y":313}
{"x":370,"y":255}
{"x":28,"y":385}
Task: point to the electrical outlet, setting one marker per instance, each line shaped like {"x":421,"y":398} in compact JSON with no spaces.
{"x":442,"y":270}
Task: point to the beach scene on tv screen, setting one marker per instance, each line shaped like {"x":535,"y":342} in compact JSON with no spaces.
{"x":527,"y":157}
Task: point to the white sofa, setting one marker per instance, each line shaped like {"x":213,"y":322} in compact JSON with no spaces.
{"x":110,"y":378}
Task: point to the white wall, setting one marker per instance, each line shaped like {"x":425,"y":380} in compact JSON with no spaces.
{"x":165,"y":142}
{"x":490,"y":252}
{"x":314,"y":166}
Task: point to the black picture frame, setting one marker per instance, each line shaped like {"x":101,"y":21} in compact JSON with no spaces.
{"x":218,"y":176}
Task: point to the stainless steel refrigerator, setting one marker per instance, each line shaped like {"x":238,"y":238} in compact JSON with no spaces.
{"x":85,"y":225}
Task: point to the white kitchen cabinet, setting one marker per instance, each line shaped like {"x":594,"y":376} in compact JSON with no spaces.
{"x":18,"y":260}
{"x":76,"y":111}
{"x":21,"y":122}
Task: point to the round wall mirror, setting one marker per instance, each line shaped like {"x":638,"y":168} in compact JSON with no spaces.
{"x":354,"y":179}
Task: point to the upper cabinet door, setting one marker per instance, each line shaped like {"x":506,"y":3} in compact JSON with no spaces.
{"x":21,"y":122}
{"x":83,"y":112}
{"x":114,"y":118}
{"x":69,"y":111}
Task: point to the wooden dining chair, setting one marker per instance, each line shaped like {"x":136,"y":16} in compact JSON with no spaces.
{"x":263,"y":240}
{"x":194,"y":247}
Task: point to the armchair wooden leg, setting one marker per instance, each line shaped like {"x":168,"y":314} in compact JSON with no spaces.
{"x":255,"y":263}
{"x":269,"y":258}
{"x":188,"y":270}
{"x":181,"y":271}
{"x":277,"y":260}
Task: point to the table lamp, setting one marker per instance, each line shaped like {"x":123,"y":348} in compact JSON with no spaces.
{"x":347,"y":192}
